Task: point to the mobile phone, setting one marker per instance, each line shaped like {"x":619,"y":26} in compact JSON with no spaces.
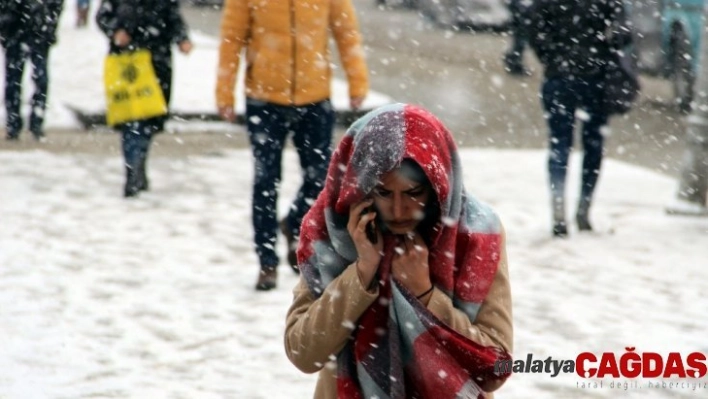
{"x":370,"y":228}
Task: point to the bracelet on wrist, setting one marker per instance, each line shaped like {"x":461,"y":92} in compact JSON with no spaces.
{"x":426,"y":292}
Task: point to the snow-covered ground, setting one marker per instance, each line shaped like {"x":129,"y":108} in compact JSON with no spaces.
{"x":76,"y":77}
{"x":103,"y":297}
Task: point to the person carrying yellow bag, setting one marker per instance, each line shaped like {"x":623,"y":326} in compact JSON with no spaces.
{"x":147,"y":27}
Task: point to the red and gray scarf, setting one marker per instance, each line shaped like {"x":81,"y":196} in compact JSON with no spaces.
{"x":400,"y":349}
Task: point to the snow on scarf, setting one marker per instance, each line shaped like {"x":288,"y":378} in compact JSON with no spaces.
{"x":400,"y":349}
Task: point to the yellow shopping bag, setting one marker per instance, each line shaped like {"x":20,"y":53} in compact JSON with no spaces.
{"x":132,"y":89}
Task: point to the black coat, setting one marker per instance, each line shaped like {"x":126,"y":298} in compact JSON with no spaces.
{"x":152,"y":24}
{"x":30,"y":21}
{"x":575,"y":37}
{"x":155,"y":25}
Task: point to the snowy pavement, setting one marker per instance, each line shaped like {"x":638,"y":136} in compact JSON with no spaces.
{"x":102,"y":297}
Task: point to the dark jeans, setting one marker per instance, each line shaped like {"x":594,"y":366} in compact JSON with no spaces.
{"x":135,"y":140}
{"x":561,"y":98}
{"x":16,"y":53}
{"x":268,"y":128}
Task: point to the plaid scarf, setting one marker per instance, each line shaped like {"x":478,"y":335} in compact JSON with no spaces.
{"x":400,"y":349}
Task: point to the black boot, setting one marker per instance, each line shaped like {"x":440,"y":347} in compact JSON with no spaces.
{"x":292,"y":245}
{"x":583,"y":222}
{"x":582,"y":217}
{"x":514,"y":66}
{"x":131,"y":183}
{"x":267,"y":279}
{"x":39,"y":136}
{"x":560,"y":227}
{"x":143,"y":184}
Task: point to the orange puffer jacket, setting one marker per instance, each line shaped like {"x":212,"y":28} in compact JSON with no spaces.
{"x":287,"y":50}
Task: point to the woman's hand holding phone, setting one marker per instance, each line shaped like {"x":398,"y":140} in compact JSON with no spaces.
{"x":368,"y":250}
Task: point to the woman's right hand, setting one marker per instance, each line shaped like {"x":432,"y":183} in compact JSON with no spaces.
{"x":369,"y":254}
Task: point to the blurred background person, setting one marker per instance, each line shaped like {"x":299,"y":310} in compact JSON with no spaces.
{"x":27,"y":31}
{"x":154,"y":25}
{"x":571,"y":39}
{"x":287,"y":84}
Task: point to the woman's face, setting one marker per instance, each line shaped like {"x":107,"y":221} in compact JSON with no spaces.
{"x":400,"y":202}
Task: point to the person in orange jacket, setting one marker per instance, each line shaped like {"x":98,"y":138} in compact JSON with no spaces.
{"x":287,"y":85}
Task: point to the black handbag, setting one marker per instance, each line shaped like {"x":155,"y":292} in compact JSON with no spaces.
{"x":621,"y":82}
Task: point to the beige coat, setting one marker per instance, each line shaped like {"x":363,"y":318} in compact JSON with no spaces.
{"x":317,"y":329}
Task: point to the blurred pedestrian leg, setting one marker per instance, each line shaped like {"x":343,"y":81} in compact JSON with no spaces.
{"x":82,"y":11}
{"x":27,"y":31}
{"x":514,"y":56}
{"x":693,"y":185}
{"x":14,"y":69}
{"x":39,"y":56}
{"x":268,"y":127}
{"x":15,"y":55}
{"x":135,"y":141}
{"x":561,"y":98}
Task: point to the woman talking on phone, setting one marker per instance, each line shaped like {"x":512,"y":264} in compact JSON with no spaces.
{"x":404,"y":288}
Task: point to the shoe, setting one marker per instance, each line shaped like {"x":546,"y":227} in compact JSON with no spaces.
{"x":267,"y":279}
{"x":143,"y":183}
{"x":513,"y":65}
{"x":583,"y":222}
{"x":292,"y":245}
{"x":560,"y":229}
{"x":518,"y":71}
{"x":12,"y":135}
{"x":131,"y":188}
{"x":38,"y":135}
{"x":130,"y":191}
